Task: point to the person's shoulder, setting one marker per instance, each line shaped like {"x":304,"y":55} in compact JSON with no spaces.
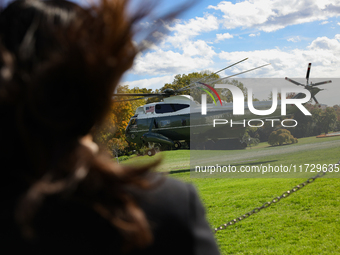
{"x":171,"y":187}
{"x":177,"y":219}
{"x":168,"y":194}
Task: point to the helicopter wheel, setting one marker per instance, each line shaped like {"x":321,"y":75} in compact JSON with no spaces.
{"x":177,"y":145}
{"x":151,"y":152}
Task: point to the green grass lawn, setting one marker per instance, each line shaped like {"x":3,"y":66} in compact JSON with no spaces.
{"x":307,"y":222}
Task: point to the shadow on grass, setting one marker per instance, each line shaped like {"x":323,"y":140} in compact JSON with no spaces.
{"x":179,"y":171}
{"x":278,"y":145}
{"x":254,"y":163}
{"x":240,"y":164}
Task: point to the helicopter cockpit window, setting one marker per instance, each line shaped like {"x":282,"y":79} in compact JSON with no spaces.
{"x":166,"y":108}
{"x":133,"y":123}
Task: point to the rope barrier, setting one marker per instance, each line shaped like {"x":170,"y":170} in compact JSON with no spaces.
{"x":276,"y":199}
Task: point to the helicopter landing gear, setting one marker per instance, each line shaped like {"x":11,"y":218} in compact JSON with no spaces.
{"x":177,"y":145}
{"x":151,"y":152}
{"x":153,"y":149}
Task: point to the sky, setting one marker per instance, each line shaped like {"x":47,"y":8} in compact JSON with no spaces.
{"x":212,"y":34}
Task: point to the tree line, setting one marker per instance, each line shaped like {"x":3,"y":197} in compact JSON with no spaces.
{"x":111,"y":134}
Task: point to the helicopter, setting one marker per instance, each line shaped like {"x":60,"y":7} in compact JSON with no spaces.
{"x":178,"y":119}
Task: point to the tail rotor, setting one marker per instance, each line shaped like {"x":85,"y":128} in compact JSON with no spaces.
{"x":310,"y":86}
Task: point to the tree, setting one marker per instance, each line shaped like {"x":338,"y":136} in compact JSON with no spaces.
{"x":182,"y":81}
{"x":289,"y":95}
{"x":250,"y":137}
{"x":322,"y":120}
{"x":329,"y":119}
{"x":325,"y":120}
{"x":281,"y":136}
{"x":111,"y":134}
{"x":265,"y":131}
{"x":227,"y":94}
{"x":306,"y":125}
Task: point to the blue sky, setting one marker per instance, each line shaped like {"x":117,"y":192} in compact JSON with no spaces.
{"x":213,"y":34}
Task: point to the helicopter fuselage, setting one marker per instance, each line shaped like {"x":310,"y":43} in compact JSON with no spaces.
{"x":179,"y":119}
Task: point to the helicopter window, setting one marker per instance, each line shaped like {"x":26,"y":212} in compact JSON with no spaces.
{"x":165,"y":108}
{"x":133,"y":123}
{"x":180,"y":106}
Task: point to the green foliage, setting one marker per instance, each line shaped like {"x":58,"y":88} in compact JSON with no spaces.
{"x":280,"y":137}
{"x":288,"y":95}
{"x":321,"y":121}
{"x":250,"y":137}
{"x":111,"y":134}
{"x":329,"y":119}
{"x":124,"y":158}
{"x":184,"y":80}
{"x":265,"y":131}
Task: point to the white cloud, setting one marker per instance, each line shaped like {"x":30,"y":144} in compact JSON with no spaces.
{"x":169,"y":62}
{"x":253,"y":35}
{"x":198,"y":48}
{"x":271,"y":15}
{"x":324,"y":43}
{"x":294,"y":39}
{"x":197,"y":55}
{"x":152,"y":83}
{"x":221,"y":37}
{"x":184,"y":31}
{"x":324,"y":22}
{"x":195,"y":26}
{"x":179,"y":52}
{"x":323,"y":53}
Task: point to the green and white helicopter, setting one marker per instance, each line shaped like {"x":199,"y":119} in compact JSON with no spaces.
{"x":178,"y":119}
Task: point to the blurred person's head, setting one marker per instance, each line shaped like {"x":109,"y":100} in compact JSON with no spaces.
{"x":59,"y":65}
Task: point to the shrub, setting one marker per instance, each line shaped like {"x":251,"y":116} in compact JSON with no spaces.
{"x":280,"y":137}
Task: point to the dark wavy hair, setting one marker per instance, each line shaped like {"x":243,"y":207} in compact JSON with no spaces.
{"x":59,"y":65}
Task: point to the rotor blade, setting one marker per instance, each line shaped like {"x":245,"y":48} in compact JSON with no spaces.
{"x":316,"y":101}
{"x":225,"y":68}
{"x":210,"y":75}
{"x":295,"y":82}
{"x":133,"y":99}
{"x":320,"y":83}
{"x":137,"y":94}
{"x":239,"y":73}
{"x":308,"y":71}
{"x":222,"y":70}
